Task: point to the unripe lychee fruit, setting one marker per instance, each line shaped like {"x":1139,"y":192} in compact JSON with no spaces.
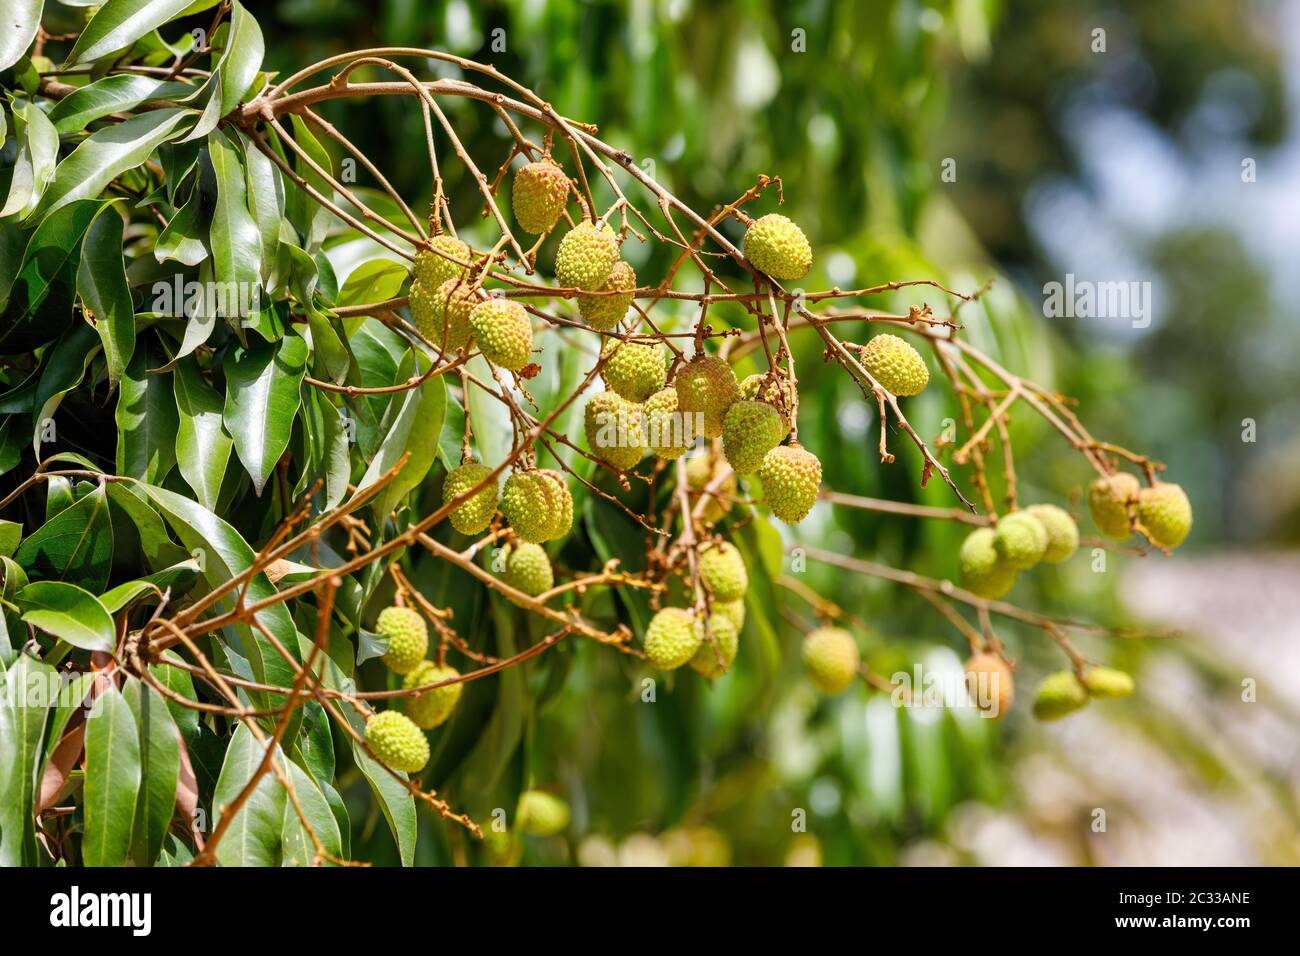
{"x":1020,"y":540}
{"x":895,"y":364}
{"x":564,"y":519}
{"x":705,"y":662}
{"x":749,"y":431}
{"x":791,"y":478}
{"x":635,"y":370}
{"x":700,"y":473}
{"x":541,"y":814}
{"x":733,"y":611}
{"x":1165,"y":513}
{"x":672,"y":638}
{"x":723,"y":571}
{"x":475,"y":514}
{"x":614,"y":430}
{"x":1110,"y":500}
{"x":1059,"y":694}
{"x":830,"y":659}
{"x":539,"y":195}
{"x":432,"y":269}
{"x":442,"y":316}
{"x":396,"y":742}
{"x":408,"y":637}
{"x":603,"y":312}
{"x":982,"y":571}
{"x":433,"y":707}
{"x":1062,"y":532}
{"x":777,"y":246}
{"x":706,"y":384}
{"x":503,"y":332}
{"x":533,"y":505}
{"x":761,"y":387}
{"x":1107,"y":682}
{"x":586,"y":257}
{"x":668,"y":432}
{"x":528,"y":569}
{"x":990,"y":683}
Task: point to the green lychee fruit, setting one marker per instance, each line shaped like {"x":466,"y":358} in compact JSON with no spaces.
{"x":700,"y":473}
{"x":564,"y":520}
{"x":443,"y":316}
{"x":433,"y":707}
{"x":1165,"y":513}
{"x":539,"y":195}
{"x":503,"y":331}
{"x":541,"y":814}
{"x":705,"y":662}
{"x":672,"y":638}
{"x":982,"y":571}
{"x":762,"y":387}
{"x":749,"y":431}
{"x":991,"y":685}
{"x":432,"y":269}
{"x":533,"y":505}
{"x":586,"y":257}
{"x":775,"y":245}
{"x":1107,"y":682}
{"x":895,"y":364}
{"x":723,"y":571}
{"x":1059,"y":694}
{"x":733,"y":611}
{"x":1062,"y":532}
{"x":1110,"y":500}
{"x":707,"y":385}
{"x":528,"y":569}
{"x":668,"y":431}
{"x":635,"y":370}
{"x":475,"y":514}
{"x":614,"y":430}
{"x":396,"y":742}
{"x":1020,"y":540}
{"x":830,"y":659}
{"x":603,"y":312}
{"x":791,"y":478}
{"x":408,"y":637}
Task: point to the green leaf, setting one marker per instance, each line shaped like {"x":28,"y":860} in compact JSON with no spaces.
{"x":127,"y":593}
{"x":415,"y":428}
{"x":160,"y":765}
{"x":185,"y":238}
{"x":202,"y":443}
{"x":11,"y":532}
{"x":76,"y":544}
{"x":394,"y":799}
{"x":38,"y":152}
{"x":253,"y":836}
{"x":297,"y":846}
{"x":241,"y":58}
{"x":119,"y":23}
{"x":67,"y":612}
{"x":101,"y":283}
{"x":64,"y":372}
{"x":309,"y":217}
{"x":158,"y":549}
{"x":21,"y":19}
{"x":373,"y":281}
{"x":112,"y":779}
{"x":236,"y":243}
{"x":263,"y":385}
{"x":266,"y":201}
{"x":26,"y":694}
{"x":147,"y":419}
{"x":112,"y":94}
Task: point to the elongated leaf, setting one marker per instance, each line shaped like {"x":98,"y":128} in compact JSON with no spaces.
{"x":25,"y":699}
{"x":242,"y":57}
{"x":415,"y":428}
{"x":263,"y":386}
{"x":18,"y":29}
{"x":297,"y":846}
{"x":395,"y":800}
{"x":112,"y":94}
{"x":119,"y":23}
{"x":266,"y":201}
{"x":64,"y":371}
{"x":185,"y":238}
{"x":101,"y":283}
{"x":146,"y":418}
{"x":76,"y":545}
{"x":112,"y":779}
{"x":68,"y":612}
{"x":236,"y":243}
{"x":202,"y":443}
{"x":127,"y":593}
{"x":38,"y":150}
{"x":373,"y":281}
{"x":160,"y":762}
{"x":253,"y":837}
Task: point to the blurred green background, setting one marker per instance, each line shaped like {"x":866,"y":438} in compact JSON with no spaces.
{"x":1122,"y":164}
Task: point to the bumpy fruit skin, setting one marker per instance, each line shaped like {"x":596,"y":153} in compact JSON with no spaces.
{"x":1062,"y":532}
{"x":705,"y":662}
{"x":603,"y":312}
{"x":503,"y":332}
{"x":533,"y":505}
{"x":528,"y":569}
{"x":539,"y":195}
{"x":1020,"y":540}
{"x":791,"y":478}
{"x":615,"y":431}
{"x":1059,"y":694}
{"x":1109,"y":500}
{"x":432,"y":270}
{"x":397,"y":742}
{"x":564,"y":520}
{"x":723,"y":572}
{"x":733,"y":611}
{"x":749,"y":431}
{"x":668,"y":432}
{"x":830,"y":659}
{"x":700,"y":472}
{"x":991,"y":685}
{"x":672,"y":638}
{"x":476,"y":513}
{"x":433,"y":707}
{"x":443,"y":316}
{"x":408,"y":638}
{"x":760,"y":387}
{"x":1165,"y":513}
{"x":586,"y":257}
{"x":1107,"y":682}
{"x":635,"y":370}
{"x":706,"y":384}
{"x":541,"y":814}
{"x":777,"y":246}
{"x":982,"y":571}
{"x":896,"y":365}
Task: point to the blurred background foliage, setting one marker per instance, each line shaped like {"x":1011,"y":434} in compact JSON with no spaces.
{"x":1116,"y":165}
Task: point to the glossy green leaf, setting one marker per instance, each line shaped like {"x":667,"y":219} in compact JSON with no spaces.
{"x":38,"y":149}
{"x":119,"y":23}
{"x":263,"y":384}
{"x":185,"y":238}
{"x":266,"y":202}
{"x":112,"y":94}
{"x":101,"y":283}
{"x":147,"y":418}
{"x":127,"y":593}
{"x":253,"y":836}
{"x":373,"y":281}
{"x":160,"y":763}
{"x":297,"y":846}
{"x":241,"y":58}
{"x":112,"y":779}
{"x":236,"y":243}
{"x":26,"y":695}
{"x":21,"y":20}
{"x":395,"y":800}
{"x":75,"y":545}
{"x":202,"y":443}
{"x":414,"y":428}
{"x":69,"y":613}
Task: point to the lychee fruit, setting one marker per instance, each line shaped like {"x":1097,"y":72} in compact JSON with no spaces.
{"x":528,"y":569}
{"x":635,"y":370}
{"x":586,"y":257}
{"x":749,"y":431}
{"x":982,"y":572}
{"x":1110,"y":500}
{"x":603,"y":312}
{"x":1059,"y":694}
{"x":541,"y":814}
{"x":991,"y":684}
{"x":723,"y":571}
{"x":1165,"y":513}
{"x":433,"y":707}
{"x":831,"y":659}
{"x":1062,"y":532}
{"x":791,"y":478}
{"x":1107,"y":682}
{"x":432,"y":269}
{"x":408,"y":637}
{"x":707,"y":385}
{"x":503,"y":331}
{"x":727,"y":638}
{"x":895,"y":364}
{"x":539,"y":195}
{"x":614,"y":430}
{"x":1020,"y":540}
{"x":475,"y":513}
{"x":533,"y":505}
{"x":668,"y":431}
{"x":443,"y":316}
{"x":397,"y":742}
{"x":672,"y":638}
{"x":778,"y":247}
